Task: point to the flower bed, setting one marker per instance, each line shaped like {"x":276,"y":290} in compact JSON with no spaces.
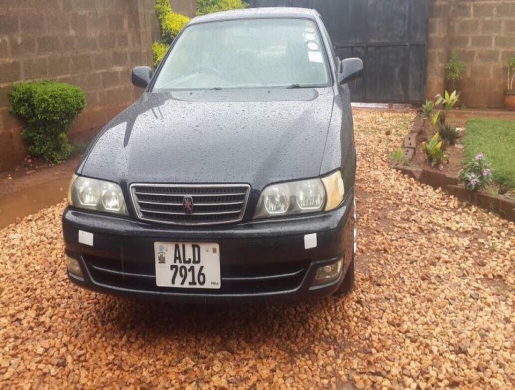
{"x":472,"y":182}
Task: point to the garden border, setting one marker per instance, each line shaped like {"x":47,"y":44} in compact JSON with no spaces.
{"x":501,"y":205}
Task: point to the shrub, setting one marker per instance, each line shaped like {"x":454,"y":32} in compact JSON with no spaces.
{"x":476,"y":174}
{"x":159,"y":50}
{"x":449,"y":134}
{"x":433,"y":151}
{"x":399,"y":158}
{"x":510,"y":67}
{"x":48,"y":108}
{"x":209,"y":6}
{"x":428,"y":107}
{"x":448,"y":101}
{"x":454,"y":69}
{"x":171,"y":25}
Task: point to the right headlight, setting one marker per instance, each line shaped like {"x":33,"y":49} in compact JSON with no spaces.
{"x":93,"y":194}
{"x":301,"y":197}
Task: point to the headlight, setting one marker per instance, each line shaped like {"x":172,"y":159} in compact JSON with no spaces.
{"x":300,"y":197}
{"x":97,"y":195}
{"x":334,"y":189}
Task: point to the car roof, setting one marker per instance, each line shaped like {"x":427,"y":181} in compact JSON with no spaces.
{"x":253,"y":13}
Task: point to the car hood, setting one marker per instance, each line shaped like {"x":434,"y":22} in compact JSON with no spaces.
{"x":256,"y":137}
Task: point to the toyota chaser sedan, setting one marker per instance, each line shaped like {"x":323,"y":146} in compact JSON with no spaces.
{"x":232,"y":177}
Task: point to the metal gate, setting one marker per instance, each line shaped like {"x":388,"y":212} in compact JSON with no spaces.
{"x":390,"y":36}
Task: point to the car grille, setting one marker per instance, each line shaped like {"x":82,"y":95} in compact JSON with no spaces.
{"x":211,"y":204}
{"x":244,"y":279}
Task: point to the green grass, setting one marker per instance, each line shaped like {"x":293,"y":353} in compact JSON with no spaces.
{"x":496,"y":139}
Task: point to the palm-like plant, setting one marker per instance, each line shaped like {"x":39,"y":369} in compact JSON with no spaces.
{"x":510,"y":66}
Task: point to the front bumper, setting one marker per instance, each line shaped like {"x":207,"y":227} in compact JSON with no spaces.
{"x":260,"y":260}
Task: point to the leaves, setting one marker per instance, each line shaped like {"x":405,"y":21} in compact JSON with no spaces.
{"x":427,"y":107}
{"x":476,"y":174}
{"x":448,"y":100}
{"x":433,"y":151}
{"x":455,"y":68}
{"x":209,"y":6}
{"x":48,"y":108}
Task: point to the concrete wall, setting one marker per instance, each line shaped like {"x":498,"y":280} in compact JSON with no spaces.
{"x":482,"y":32}
{"x":90,"y":43}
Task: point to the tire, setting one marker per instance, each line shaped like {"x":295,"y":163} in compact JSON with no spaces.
{"x":348,"y":281}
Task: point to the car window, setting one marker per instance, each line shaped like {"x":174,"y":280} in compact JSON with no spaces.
{"x":245,"y":54}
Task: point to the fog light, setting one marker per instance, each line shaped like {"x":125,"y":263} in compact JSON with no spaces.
{"x":328,"y":273}
{"x":74,"y":267}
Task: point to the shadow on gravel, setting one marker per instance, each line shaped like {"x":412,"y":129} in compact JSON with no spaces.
{"x":299,"y":324}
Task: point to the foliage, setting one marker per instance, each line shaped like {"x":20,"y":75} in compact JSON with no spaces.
{"x":447,"y":101}
{"x":398,"y":156}
{"x":496,"y":139}
{"x":433,"y":151}
{"x":454,"y":69}
{"x":171,"y":25}
{"x":428,"y":107}
{"x":449,"y":134}
{"x":210,"y":6}
{"x":435,"y":119}
{"x":510,"y":67}
{"x":476,"y":174}
{"x":159,"y":50}
{"x":48,"y":108}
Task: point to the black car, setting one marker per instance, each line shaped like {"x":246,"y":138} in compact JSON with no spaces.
{"x":232,"y":177}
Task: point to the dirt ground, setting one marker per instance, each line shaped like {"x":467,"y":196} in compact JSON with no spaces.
{"x":31,"y":174}
{"x":434,"y":306}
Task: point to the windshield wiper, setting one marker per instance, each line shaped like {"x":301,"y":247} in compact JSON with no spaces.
{"x":216,"y":89}
{"x":296,"y":86}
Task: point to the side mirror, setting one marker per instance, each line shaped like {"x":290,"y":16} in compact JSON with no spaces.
{"x":141,"y":76}
{"x":351,"y":69}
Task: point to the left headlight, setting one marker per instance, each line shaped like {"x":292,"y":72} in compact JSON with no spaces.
{"x":300,"y":197}
{"x":93,"y":194}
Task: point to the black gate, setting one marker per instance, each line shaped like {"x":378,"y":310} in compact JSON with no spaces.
{"x":390,"y":36}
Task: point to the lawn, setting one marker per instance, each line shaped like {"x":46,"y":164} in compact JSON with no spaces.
{"x":496,"y":139}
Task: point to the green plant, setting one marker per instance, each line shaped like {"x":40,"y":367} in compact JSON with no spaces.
{"x":433,"y":151}
{"x":454,"y":69}
{"x":397,"y":156}
{"x":210,"y":6}
{"x":449,"y":134}
{"x":435,"y":119}
{"x":476,"y":174}
{"x":510,"y":67}
{"x":496,"y":139}
{"x":159,"y":50}
{"x":171,"y":25}
{"x":48,"y":108}
{"x":428,"y":107}
{"x":447,"y":101}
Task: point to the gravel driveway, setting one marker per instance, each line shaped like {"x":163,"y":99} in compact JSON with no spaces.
{"x":433,"y":306}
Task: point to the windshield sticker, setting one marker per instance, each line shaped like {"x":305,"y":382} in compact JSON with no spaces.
{"x":309,"y":37}
{"x":312,"y":46}
{"x":315,"y":56}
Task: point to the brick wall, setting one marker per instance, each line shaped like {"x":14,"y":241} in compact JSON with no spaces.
{"x":482,"y":32}
{"x":184,"y":7}
{"x":90,"y":43}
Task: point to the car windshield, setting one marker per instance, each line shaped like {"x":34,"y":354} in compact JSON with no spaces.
{"x":285,"y":53}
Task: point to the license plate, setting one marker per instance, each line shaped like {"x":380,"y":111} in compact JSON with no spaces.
{"x":187,"y":265}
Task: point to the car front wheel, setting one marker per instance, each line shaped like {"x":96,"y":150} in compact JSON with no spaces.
{"x":348,"y":281}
